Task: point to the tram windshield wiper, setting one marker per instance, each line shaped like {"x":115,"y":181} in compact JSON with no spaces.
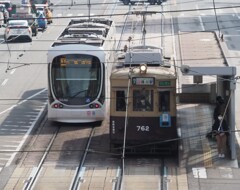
{"x":78,"y":93}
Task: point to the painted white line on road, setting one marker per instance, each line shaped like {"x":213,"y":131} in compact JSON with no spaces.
{"x":17,"y":130}
{"x":236,"y":13}
{"x":8,"y":146}
{"x":201,"y":23}
{"x":4,"y":159}
{"x":31,"y":115}
{"x":27,"y":133}
{"x":6,"y":154}
{"x":22,"y":122}
{"x":4,"y":82}
{"x":9,"y":140}
{"x":12,"y":71}
{"x":22,"y":101}
{"x":200,"y":19}
{"x":199,"y":173}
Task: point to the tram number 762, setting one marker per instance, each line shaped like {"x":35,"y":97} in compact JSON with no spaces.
{"x":143,"y":128}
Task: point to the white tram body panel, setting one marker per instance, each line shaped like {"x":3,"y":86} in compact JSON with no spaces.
{"x":79,"y":63}
{"x":74,"y":113}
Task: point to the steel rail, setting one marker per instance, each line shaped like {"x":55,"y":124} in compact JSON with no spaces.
{"x":31,"y":181}
{"x":77,"y":177}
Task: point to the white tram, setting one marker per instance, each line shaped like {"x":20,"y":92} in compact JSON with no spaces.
{"x":78,"y":65}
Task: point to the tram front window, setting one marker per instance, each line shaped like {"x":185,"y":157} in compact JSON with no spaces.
{"x":164,"y":101}
{"x":143,"y":100}
{"x":120,"y":100}
{"x":76,"y":78}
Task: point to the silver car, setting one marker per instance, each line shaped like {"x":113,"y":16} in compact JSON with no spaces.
{"x":18,"y":30}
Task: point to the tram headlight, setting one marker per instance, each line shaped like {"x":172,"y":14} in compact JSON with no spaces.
{"x":143,"y":68}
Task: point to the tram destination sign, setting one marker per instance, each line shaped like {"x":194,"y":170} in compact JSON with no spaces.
{"x":164,"y":83}
{"x":149,"y":81}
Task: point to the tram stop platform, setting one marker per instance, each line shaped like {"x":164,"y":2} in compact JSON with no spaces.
{"x":195,"y":121}
{"x":199,"y":157}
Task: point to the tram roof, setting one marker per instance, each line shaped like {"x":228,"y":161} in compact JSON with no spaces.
{"x":85,"y":31}
{"x":149,"y":55}
{"x":105,"y":21}
{"x":153,"y":71}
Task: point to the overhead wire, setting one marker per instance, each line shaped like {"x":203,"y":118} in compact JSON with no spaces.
{"x":154,"y":142}
{"x":106,"y":50}
{"x":136,"y":39}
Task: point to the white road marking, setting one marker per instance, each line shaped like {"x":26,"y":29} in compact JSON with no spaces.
{"x":12,"y":71}
{"x":22,"y":102}
{"x":4,"y":82}
{"x":235,"y":11}
{"x":7,"y":129}
{"x":199,"y":173}
{"x":27,"y":133}
{"x":200,"y":19}
{"x":226,"y":172}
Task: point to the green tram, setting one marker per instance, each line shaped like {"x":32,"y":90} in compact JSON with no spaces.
{"x":143,"y":103}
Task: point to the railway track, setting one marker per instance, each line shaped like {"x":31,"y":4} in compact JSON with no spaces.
{"x":76,"y":153}
{"x":134,"y":33}
{"x":78,"y":174}
{"x":78,"y":157}
{"x":50,"y":148}
{"x":35,"y":174}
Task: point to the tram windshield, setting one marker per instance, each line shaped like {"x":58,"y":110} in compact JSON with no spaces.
{"x":76,"y":78}
{"x":142,"y":100}
{"x":164,"y":101}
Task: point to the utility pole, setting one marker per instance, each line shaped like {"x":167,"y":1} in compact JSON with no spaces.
{"x":89,"y":9}
{"x":215,"y":12}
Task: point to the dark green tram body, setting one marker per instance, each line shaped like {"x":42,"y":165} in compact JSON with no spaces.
{"x":151,"y":127}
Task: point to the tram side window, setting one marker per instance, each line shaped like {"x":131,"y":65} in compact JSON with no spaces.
{"x":143,"y":100}
{"x":120,"y":100}
{"x":164,"y":101}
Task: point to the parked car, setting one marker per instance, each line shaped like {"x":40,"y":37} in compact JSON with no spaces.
{"x":18,"y":30}
{"x":9,"y":6}
{"x":42,"y":21}
{"x":5,"y":12}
